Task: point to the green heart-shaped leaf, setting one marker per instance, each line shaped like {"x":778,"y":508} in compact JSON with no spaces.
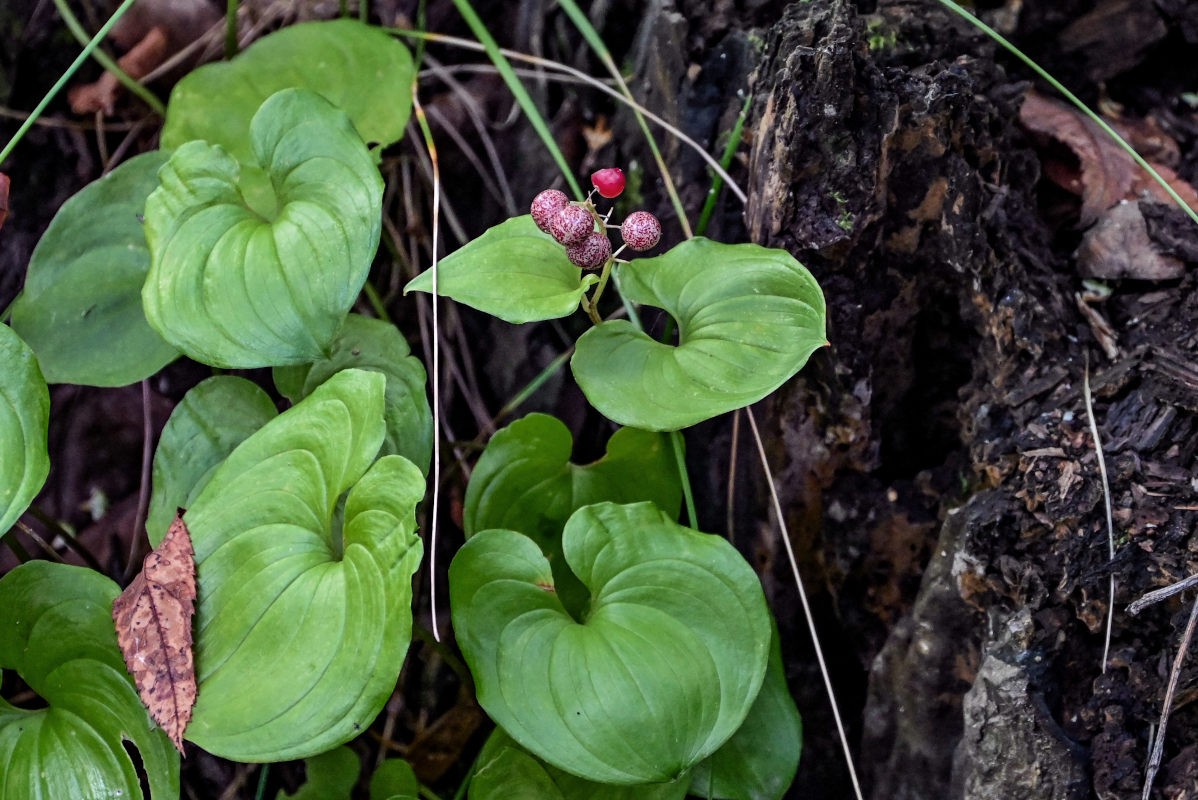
{"x":330,"y":776}
{"x":760,"y":760}
{"x":525,"y":482}
{"x":24,"y":416}
{"x":365,"y":343}
{"x":662,"y":671}
{"x":513,"y":271}
{"x":234,"y":288}
{"x":748,"y":319}
{"x":81,"y":308}
{"x":504,"y":770}
{"x":301,"y":628}
{"x":212,"y":419}
{"x":356,"y":67}
{"x":394,"y":778}
{"x":56,"y":632}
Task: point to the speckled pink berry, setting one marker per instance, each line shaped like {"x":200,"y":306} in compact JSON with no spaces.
{"x":609,"y":181}
{"x":545,"y":205}
{"x":641,"y":230}
{"x":571,"y":225}
{"x":592,"y":252}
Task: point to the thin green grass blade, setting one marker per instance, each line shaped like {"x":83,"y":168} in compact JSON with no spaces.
{"x":62,"y":80}
{"x":518,"y":91}
{"x":1072,"y":98}
{"x":105,"y":61}
{"x":583,"y":24}
{"x":717,"y":182}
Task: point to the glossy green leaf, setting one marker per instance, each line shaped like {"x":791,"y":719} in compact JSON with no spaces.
{"x":56,"y":632}
{"x":235,"y":287}
{"x":302,"y":623}
{"x":81,"y":308}
{"x":748,"y":319}
{"x":513,"y":271}
{"x":393,"y":778}
{"x":330,"y":776}
{"x":660,"y":673}
{"x":760,"y":760}
{"x":211,"y":420}
{"x":525,"y":482}
{"x":24,"y":416}
{"x":505,"y":770}
{"x":358,"y":68}
{"x":365,"y":343}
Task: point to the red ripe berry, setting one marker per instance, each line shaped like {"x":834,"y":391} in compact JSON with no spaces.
{"x":609,"y":182}
{"x":641,"y":230}
{"x":545,"y":205}
{"x":571,"y":225}
{"x":592,"y":252}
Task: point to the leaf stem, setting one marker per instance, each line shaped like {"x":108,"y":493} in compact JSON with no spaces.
{"x":533,"y":386}
{"x":62,"y":80}
{"x":230,"y":29}
{"x":593,"y":304}
{"x":680,"y":457}
{"x":260,"y":793}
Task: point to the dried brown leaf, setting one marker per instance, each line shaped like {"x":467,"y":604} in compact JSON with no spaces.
{"x":3,"y":198}
{"x":153,"y":627}
{"x":138,"y":62}
{"x":1107,"y":173}
{"x":1118,"y":246}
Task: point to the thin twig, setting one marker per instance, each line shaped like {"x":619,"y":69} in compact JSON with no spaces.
{"x":1158,"y":595}
{"x":1106,"y":497}
{"x":794,"y":568}
{"x":1158,"y":745}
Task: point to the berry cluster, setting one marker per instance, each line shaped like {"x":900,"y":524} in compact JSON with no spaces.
{"x":574,"y":225}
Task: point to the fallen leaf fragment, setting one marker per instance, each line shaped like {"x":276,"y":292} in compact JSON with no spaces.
{"x":153,"y":628}
{"x":138,"y":62}
{"x":1118,"y":246}
{"x":1107,"y":172}
{"x":3,"y":198}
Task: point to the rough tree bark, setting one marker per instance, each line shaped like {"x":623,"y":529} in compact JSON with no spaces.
{"x":936,"y":466}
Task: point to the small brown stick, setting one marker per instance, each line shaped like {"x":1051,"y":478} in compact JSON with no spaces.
{"x":1158,"y":745}
{"x":1157,"y":595}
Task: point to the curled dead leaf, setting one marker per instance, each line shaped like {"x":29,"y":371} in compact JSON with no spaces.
{"x":3,"y":198}
{"x":153,"y":628}
{"x":1104,"y":173}
{"x":138,"y":62}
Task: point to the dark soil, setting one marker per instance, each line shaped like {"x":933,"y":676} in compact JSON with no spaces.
{"x":935,"y":465}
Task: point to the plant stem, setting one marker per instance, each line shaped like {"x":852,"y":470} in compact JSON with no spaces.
{"x":231,"y":29}
{"x":593,"y":303}
{"x":262,"y":776}
{"x":105,"y":60}
{"x":1072,"y":98}
{"x":62,"y":80}
{"x":680,"y":457}
{"x":533,"y":385}
{"x":717,"y":182}
{"x":376,"y":301}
